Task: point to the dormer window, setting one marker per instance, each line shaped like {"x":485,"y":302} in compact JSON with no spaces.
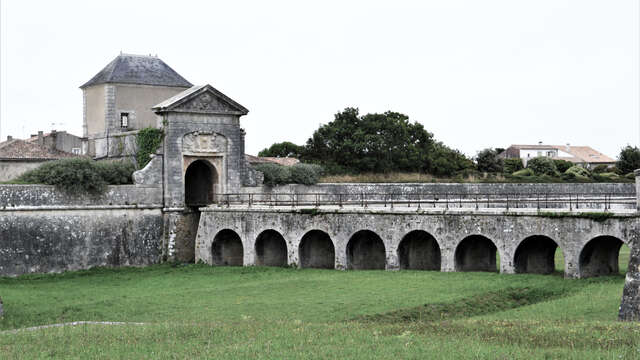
{"x":124,"y":120}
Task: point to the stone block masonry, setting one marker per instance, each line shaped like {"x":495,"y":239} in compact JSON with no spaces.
{"x":44,"y":230}
{"x":387,"y":239}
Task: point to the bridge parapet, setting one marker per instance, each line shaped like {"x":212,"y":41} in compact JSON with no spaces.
{"x":447,"y":200}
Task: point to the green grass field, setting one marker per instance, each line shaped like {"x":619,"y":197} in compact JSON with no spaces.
{"x":198,"y":311}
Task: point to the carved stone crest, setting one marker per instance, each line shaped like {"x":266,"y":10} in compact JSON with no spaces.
{"x":201,"y":142}
{"x":207,"y":103}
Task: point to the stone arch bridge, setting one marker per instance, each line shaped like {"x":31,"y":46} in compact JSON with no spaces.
{"x":492,"y":239}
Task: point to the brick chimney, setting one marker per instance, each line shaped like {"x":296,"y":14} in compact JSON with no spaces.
{"x":9,"y":138}
{"x":41,"y":138}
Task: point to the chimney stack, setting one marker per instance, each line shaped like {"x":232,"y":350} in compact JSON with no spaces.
{"x":568,"y":147}
{"x":539,"y":142}
{"x":9,"y":137}
{"x":41,"y":138}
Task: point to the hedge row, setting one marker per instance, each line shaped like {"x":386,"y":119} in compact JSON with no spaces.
{"x":274,"y":174}
{"x":80,"y":174}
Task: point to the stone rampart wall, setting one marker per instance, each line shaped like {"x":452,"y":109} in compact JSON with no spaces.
{"x":452,"y":188}
{"x":44,"y":230}
{"x":46,"y":195}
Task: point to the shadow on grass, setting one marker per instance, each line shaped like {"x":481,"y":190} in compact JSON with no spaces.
{"x":482,"y":304}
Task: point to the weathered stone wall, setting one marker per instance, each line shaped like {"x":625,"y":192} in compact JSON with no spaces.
{"x":452,"y":188}
{"x":45,"y":230}
{"x":46,"y":195}
{"x":505,"y":231}
{"x":42,"y":241}
{"x":630,"y":305}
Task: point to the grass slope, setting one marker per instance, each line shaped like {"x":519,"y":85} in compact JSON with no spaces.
{"x":197,"y":311}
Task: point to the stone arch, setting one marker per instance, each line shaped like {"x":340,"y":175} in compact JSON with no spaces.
{"x":366,"y":251}
{"x":536,"y":255}
{"x":316,"y":250}
{"x":599,"y":256}
{"x":271,"y":249}
{"x":419,"y":250}
{"x":200,"y":180}
{"x":227,"y":249}
{"x":476,"y":253}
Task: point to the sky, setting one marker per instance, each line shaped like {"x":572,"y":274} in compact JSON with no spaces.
{"x":476,"y":74}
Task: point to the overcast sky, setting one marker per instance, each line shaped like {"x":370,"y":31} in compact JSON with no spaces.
{"x":477,"y":74}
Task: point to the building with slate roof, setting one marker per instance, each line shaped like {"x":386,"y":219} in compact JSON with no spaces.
{"x":118,"y":100}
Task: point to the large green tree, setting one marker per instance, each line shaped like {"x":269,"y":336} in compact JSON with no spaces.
{"x":487,"y":160}
{"x":283,"y":149}
{"x":371,"y":143}
{"x":629,"y":159}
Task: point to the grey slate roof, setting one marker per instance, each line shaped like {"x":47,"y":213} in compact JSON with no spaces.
{"x":138,"y":69}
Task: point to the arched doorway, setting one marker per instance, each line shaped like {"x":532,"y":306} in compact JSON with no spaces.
{"x":200,"y":180}
{"x":365,"y":251}
{"x":600,"y":256}
{"x":536,"y":254}
{"x":227,"y":249}
{"x":317,"y":251}
{"x":271,"y":249}
{"x":418,"y":250}
{"x":476,"y":253}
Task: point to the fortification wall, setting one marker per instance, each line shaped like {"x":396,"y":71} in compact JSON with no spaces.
{"x":451,"y":188}
{"x":44,"y":230}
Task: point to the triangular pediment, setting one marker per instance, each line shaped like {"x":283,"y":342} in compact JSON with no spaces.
{"x":201,"y":99}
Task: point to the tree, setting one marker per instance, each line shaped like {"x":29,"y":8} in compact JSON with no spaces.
{"x":542,"y":165}
{"x":628,"y":160}
{"x":487,"y":160}
{"x":283,"y":149}
{"x":377,"y":143}
{"x":371,"y":143}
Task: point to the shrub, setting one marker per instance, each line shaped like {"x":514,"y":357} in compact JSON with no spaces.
{"x":599,"y":169}
{"x":487,"y":160}
{"x":576,"y":173}
{"x":512,"y":165}
{"x":116,"y":172}
{"x":542,"y":166}
{"x":274,"y":174}
{"x":68,"y":175}
{"x":307,"y":174}
{"x":524,"y":172}
{"x":562,"y":165}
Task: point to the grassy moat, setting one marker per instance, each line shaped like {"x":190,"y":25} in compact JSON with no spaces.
{"x":198,"y":311}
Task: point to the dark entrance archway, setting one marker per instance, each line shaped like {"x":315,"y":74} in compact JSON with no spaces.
{"x":418,"y":250}
{"x":317,"y":251}
{"x":365,"y":251}
{"x":227,"y":249}
{"x":200,"y":180}
{"x":476,"y":253}
{"x":536,"y":255}
{"x":600,"y":256}
{"x":271,"y":249}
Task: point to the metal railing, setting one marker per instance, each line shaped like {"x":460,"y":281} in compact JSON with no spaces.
{"x":571,"y":201}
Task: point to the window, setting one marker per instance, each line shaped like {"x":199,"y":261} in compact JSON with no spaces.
{"x":75,"y":151}
{"x":124,"y":120}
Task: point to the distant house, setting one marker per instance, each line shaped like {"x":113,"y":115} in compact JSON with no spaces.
{"x":286,"y":161}
{"x":18,"y":156}
{"x":580,"y":155}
